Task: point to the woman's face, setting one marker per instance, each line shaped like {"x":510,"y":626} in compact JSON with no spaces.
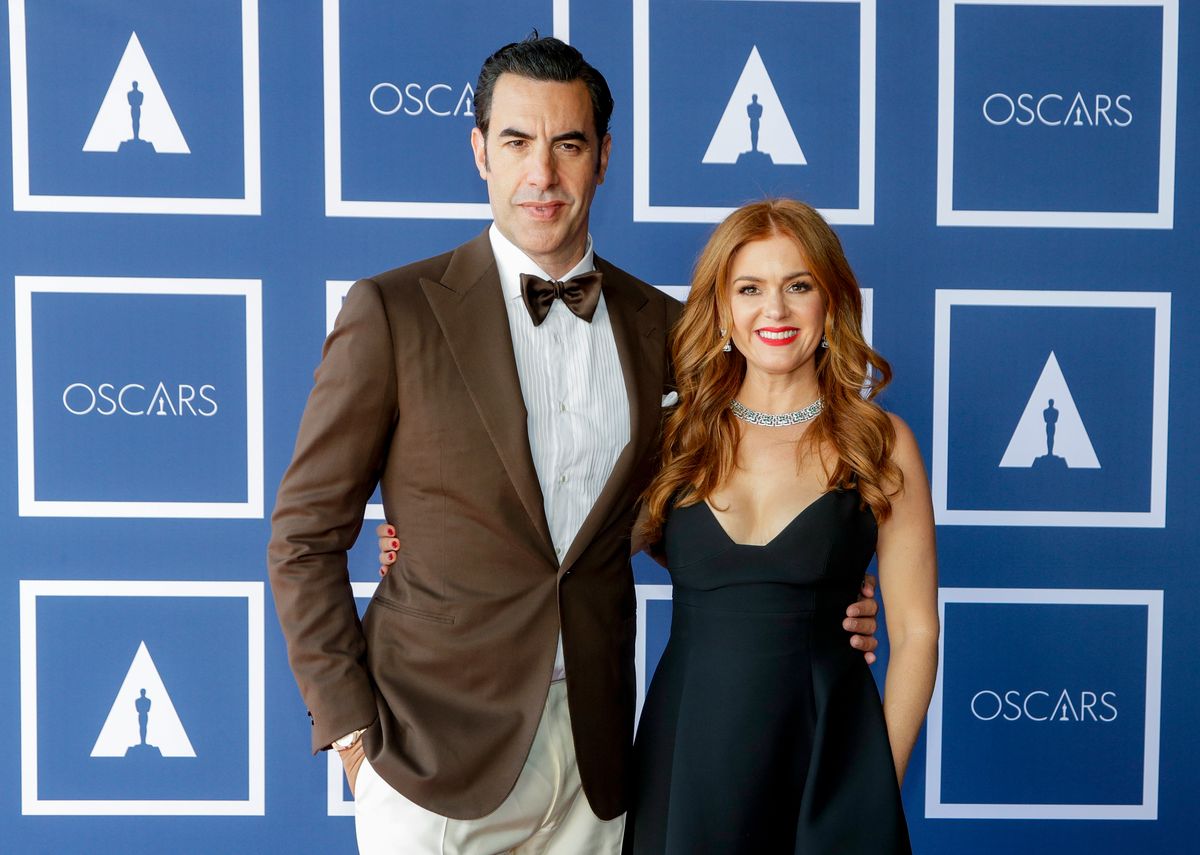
{"x":777,"y":311}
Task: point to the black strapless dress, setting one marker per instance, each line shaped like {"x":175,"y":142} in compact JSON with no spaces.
{"x":762,"y":731}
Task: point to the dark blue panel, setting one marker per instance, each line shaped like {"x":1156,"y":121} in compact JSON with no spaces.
{"x":73,"y":50}
{"x":140,"y":397}
{"x":817,"y":84}
{"x":1031,"y":718}
{"x":1022,"y":140}
{"x":199,"y":648}
{"x":1107,"y":359}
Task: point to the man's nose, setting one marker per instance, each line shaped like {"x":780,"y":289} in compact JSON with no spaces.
{"x":542,"y":170}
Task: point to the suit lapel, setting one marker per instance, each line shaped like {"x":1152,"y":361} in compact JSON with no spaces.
{"x":640,"y":351}
{"x":469,"y":306}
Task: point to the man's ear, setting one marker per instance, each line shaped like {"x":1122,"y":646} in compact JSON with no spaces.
{"x":602,"y":166}
{"x":479,"y":146}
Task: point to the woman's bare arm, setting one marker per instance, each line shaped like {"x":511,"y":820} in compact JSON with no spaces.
{"x":908,"y":583}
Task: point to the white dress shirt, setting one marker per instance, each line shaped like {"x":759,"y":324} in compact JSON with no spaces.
{"x":574,"y":393}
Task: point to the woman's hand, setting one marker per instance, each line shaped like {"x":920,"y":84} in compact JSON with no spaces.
{"x":352,"y":759}
{"x":388,"y":544}
{"x":860,"y":620}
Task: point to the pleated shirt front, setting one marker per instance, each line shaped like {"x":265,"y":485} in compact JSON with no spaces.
{"x":574,"y":394}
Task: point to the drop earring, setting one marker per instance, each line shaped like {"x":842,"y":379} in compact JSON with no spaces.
{"x":728,"y":345}
{"x":824,"y":342}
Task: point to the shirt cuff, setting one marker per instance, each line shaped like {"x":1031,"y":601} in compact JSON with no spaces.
{"x":348,"y":740}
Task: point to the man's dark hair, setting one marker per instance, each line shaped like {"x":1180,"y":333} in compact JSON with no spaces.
{"x":542,"y":58}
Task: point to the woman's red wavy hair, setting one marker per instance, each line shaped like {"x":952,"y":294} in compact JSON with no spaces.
{"x":700,"y":435}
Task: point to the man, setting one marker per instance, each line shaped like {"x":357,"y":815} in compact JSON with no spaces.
{"x":511,"y":424}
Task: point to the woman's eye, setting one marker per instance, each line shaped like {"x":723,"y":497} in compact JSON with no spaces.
{"x":748,"y":289}
{"x":800,"y":287}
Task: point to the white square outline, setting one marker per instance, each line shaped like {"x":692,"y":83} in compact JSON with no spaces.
{"x":1163,"y":218}
{"x":250,"y":204}
{"x":253,"y":805}
{"x":335,"y":205}
{"x":30,"y":506}
{"x":335,"y":805}
{"x":644,"y":212}
{"x":645,"y":593}
{"x":1160,"y":302}
{"x":335,"y":293}
{"x":1148,"y":809}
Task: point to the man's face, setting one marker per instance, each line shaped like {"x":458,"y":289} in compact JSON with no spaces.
{"x":542,"y":161}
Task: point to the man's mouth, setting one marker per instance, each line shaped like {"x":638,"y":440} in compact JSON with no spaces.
{"x":542,"y":210}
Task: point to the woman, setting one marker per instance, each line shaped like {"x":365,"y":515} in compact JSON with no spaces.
{"x":762,"y":731}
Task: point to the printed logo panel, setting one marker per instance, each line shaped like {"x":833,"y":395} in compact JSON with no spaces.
{"x":760,"y":116}
{"x":162,"y":713}
{"x":136,"y":107}
{"x":1041,"y":127}
{"x":1059,"y":438}
{"x":1026,"y":724}
{"x":400,"y":106}
{"x":139,"y":397}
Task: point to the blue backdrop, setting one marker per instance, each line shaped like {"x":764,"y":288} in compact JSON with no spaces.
{"x":1015,"y":187}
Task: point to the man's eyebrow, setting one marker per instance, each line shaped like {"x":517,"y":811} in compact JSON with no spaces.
{"x":572,"y":136}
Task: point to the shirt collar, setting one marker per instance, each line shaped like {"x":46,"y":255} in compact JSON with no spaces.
{"x":511,"y":262}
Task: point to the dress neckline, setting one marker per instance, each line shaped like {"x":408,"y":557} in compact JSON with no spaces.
{"x":713,"y":515}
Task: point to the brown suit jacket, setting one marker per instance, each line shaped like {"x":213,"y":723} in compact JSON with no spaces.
{"x":449,"y":669}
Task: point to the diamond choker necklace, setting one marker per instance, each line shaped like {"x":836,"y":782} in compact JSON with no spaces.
{"x":795,"y":417}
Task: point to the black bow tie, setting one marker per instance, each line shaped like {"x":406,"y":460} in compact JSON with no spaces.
{"x":580,"y":293}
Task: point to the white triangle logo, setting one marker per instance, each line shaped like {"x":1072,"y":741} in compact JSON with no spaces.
{"x":135,"y":89}
{"x":1050,"y":427}
{"x":142,"y":696}
{"x":754,"y":99}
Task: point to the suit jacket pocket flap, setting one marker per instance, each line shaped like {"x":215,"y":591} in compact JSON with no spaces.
{"x":413,"y":611}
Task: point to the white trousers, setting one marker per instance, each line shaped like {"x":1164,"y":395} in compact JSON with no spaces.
{"x":545,"y":814}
